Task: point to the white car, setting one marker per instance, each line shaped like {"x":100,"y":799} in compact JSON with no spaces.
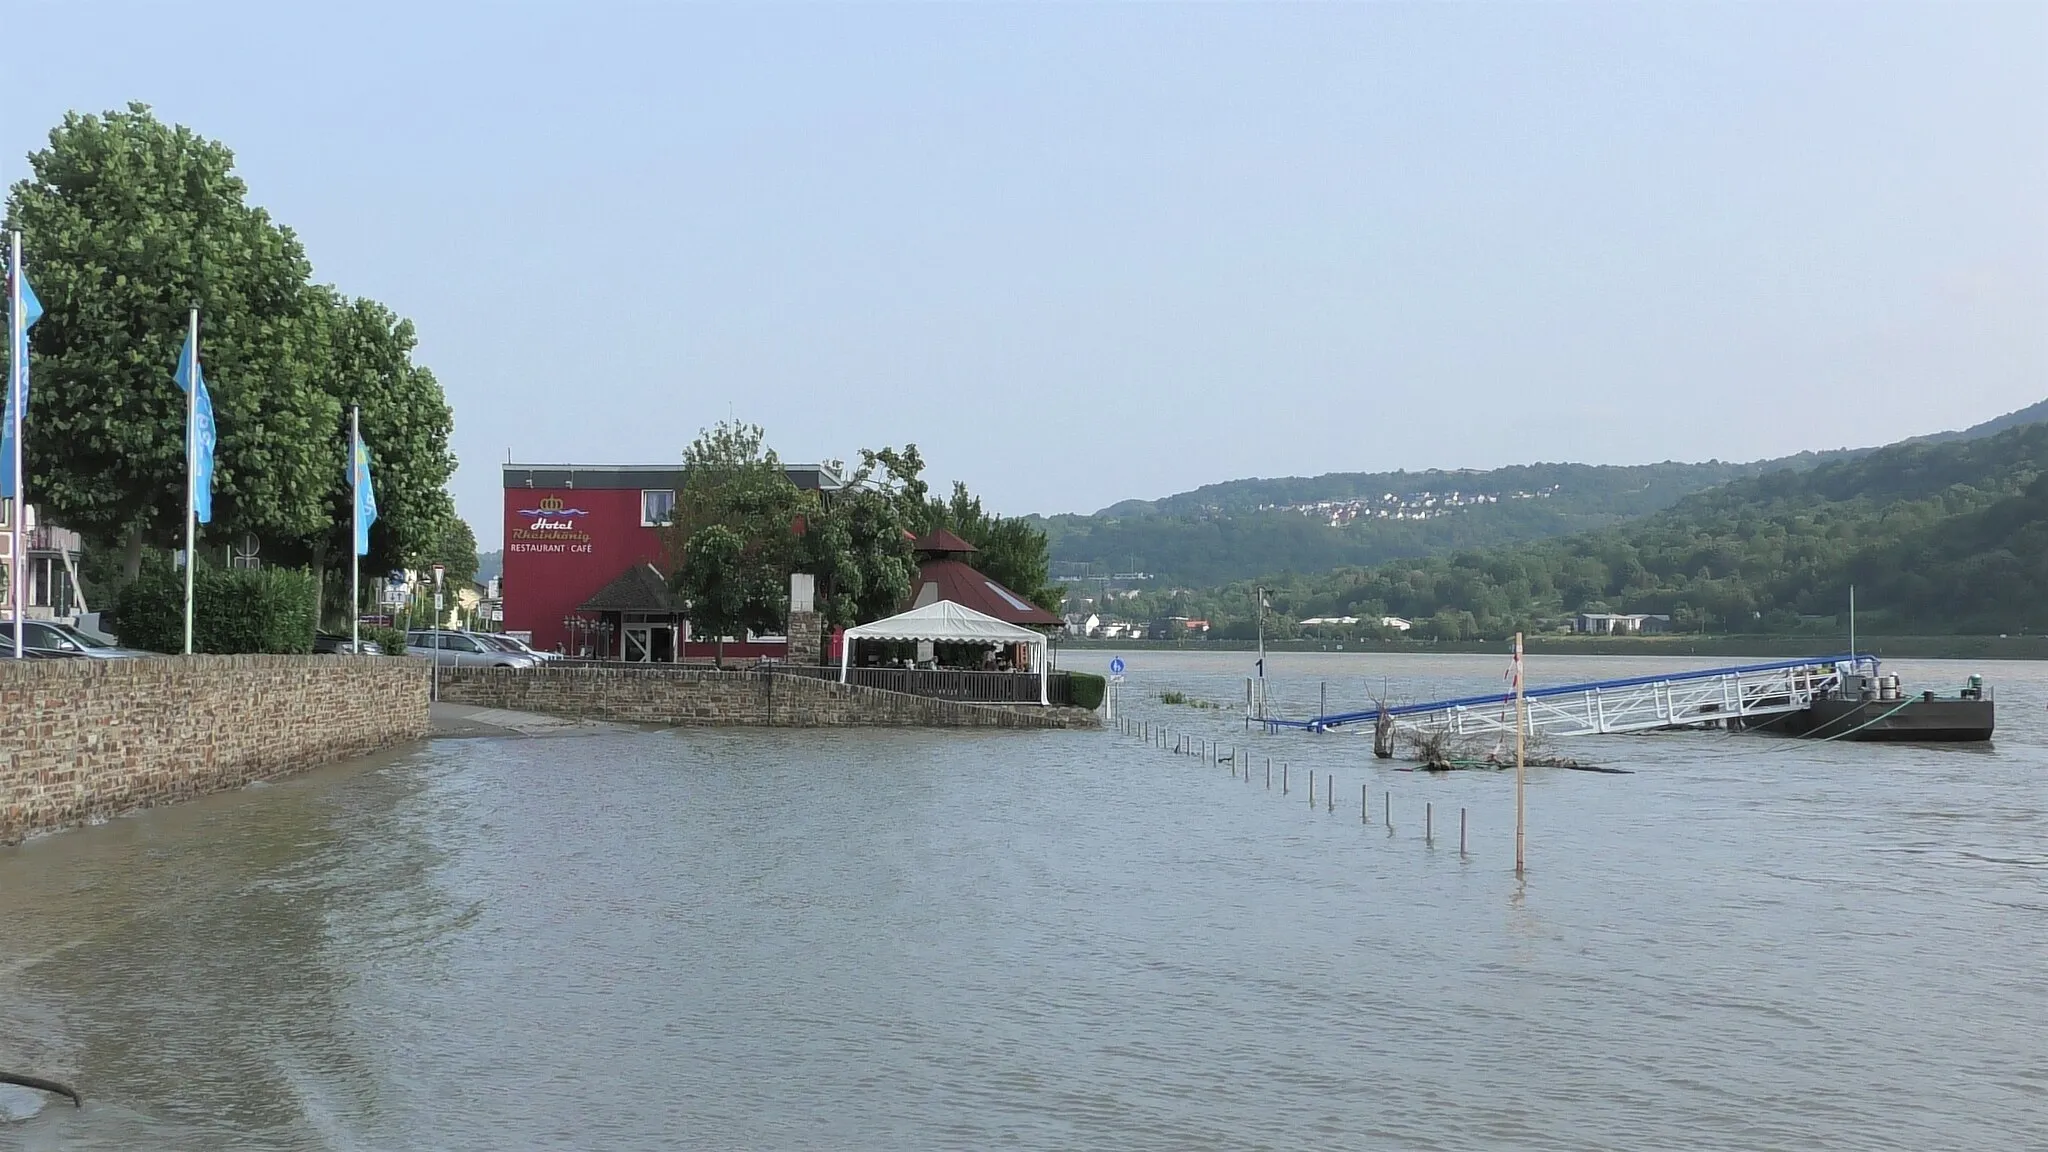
{"x":451,"y":649}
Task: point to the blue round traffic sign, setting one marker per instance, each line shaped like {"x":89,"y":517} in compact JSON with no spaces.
{"x":1116,"y":666}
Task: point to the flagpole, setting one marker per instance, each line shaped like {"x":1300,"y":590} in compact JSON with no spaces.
{"x":16,"y":593}
{"x":191,"y":470}
{"x":355,"y":534}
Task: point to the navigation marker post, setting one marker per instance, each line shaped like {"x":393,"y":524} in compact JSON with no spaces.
{"x":1521,"y":731}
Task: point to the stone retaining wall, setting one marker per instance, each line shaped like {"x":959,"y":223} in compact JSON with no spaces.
{"x":677,"y":696}
{"x":87,"y":739}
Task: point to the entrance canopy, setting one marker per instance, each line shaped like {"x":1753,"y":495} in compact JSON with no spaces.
{"x":943,"y":621}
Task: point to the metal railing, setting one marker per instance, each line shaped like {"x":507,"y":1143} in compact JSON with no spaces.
{"x":937,"y":683}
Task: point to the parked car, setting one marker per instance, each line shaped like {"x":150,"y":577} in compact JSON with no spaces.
{"x":451,"y":649}
{"x":55,"y":637}
{"x":326,"y":643}
{"x":7,"y":649}
{"x":514,"y":644}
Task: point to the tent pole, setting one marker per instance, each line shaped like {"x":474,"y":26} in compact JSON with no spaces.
{"x":845,"y":652}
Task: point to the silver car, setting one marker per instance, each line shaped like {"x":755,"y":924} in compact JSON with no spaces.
{"x":55,"y":637}
{"x":450,"y":649}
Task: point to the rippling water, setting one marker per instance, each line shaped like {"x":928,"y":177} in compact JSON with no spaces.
{"x":774,"y":939}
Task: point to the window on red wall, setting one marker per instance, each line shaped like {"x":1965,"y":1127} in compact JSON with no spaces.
{"x":656,"y":506}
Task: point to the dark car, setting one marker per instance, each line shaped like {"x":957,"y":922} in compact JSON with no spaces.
{"x":329,"y":644}
{"x":31,"y":652}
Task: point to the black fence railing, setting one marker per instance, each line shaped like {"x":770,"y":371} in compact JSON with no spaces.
{"x":937,"y":683}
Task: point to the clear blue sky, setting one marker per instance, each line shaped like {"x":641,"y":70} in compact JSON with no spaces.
{"x":1081,"y":254}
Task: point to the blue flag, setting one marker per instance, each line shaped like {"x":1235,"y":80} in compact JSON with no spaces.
{"x":17,"y":382}
{"x":366,"y":497}
{"x":192,"y":379}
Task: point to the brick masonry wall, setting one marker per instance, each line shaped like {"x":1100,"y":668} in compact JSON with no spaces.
{"x":678,"y":696}
{"x":82,"y":740}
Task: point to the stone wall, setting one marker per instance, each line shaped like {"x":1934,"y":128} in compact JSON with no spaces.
{"x":653,"y":694}
{"x":82,"y":740}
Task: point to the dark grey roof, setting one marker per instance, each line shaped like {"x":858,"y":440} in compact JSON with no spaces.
{"x":816,"y":477}
{"x":640,"y":588}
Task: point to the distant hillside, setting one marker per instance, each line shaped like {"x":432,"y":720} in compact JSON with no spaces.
{"x":1245,"y":528}
{"x":1241,"y":529}
{"x":1947,"y":536}
{"x":2032,"y":414}
{"x":489,"y":565}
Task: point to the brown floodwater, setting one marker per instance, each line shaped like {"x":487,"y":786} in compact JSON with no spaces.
{"x":648,"y":939}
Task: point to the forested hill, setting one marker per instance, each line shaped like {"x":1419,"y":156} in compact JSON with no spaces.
{"x":1936,"y":536}
{"x":1242,"y":529}
{"x":1246,"y":528}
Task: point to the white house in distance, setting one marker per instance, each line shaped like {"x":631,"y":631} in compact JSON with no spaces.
{"x":1621,"y":624}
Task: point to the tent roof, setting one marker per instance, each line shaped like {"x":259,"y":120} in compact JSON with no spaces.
{"x":947,"y":621}
{"x":640,"y":588}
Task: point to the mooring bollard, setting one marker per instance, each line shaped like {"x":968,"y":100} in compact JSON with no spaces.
{"x":1461,"y":831}
{"x":1428,"y":820}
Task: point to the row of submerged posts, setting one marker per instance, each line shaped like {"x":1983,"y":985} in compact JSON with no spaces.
{"x":1208,"y":751}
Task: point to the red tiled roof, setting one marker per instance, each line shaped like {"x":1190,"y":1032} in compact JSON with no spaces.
{"x":960,"y":583}
{"x":940,"y":540}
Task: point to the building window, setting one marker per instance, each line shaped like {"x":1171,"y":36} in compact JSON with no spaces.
{"x":656,"y":506}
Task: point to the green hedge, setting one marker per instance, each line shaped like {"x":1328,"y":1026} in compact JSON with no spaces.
{"x":391,"y":640}
{"x":235,"y":610}
{"x":1086,"y":689}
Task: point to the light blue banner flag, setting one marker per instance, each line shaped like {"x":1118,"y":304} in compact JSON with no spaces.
{"x":366,"y":498}
{"x":17,"y":382}
{"x":191,"y":378}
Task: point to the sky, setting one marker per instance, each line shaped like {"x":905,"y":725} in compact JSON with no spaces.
{"x":1086,"y":253}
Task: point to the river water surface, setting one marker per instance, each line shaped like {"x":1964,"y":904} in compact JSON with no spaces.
{"x":785,"y":939}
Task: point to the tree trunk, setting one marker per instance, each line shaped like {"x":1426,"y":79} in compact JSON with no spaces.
{"x":320,"y":616}
{"x":131,"y":554}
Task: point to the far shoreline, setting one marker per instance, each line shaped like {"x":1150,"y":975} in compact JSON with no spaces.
{"x":1537,"y":644}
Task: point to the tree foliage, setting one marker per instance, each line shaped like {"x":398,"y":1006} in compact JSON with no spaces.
{"x":1011,"y":550}
{"x":128,"y":223}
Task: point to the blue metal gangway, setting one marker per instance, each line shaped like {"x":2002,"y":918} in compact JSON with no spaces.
{"x":1706,"y":696}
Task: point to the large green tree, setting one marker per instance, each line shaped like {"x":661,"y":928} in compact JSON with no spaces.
{"x":366,"y":361}
{"x":127,"y":223}
{"x":1010,"y":550}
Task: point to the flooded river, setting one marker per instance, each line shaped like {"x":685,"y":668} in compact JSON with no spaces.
{"x":780,"y":939}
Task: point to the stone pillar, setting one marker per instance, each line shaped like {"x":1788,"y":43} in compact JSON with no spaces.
{"x":806,"y":629}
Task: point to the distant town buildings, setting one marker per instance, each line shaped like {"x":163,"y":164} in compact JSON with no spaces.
{"x":1403,"y":506}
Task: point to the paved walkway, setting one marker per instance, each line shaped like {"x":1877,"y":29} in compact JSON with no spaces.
{"x":470,"y":720}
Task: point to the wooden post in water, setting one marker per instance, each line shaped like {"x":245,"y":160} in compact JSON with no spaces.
{"x":1269,"y":773}
{"x":1283,"y":778}
{"x":1461,"y":831}
{"x":1311,"y":789}
{"x":1364,"y":805}
{"x":1390,"y":812}
{"x":1429,"y":823}
{"x":1330,"y":792}
{"x":1521,"y":732}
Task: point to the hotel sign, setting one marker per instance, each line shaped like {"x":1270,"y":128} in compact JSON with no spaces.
{"x":553,"y":528}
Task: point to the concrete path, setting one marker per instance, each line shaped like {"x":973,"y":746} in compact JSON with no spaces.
{"x":470,"y":720}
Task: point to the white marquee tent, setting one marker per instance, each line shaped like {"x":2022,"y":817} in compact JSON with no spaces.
{"x":943,"y":621}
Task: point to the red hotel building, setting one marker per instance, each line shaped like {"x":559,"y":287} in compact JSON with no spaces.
{"x":573,"y":531}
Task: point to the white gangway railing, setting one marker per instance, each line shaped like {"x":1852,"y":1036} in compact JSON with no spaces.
{"x":1706,"y":697}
